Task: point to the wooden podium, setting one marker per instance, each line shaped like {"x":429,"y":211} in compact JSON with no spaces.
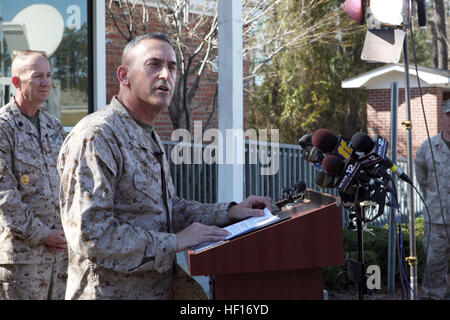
{"x":280,"y":261}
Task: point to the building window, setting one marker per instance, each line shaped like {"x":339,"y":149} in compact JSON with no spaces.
{"x":60,"y":28}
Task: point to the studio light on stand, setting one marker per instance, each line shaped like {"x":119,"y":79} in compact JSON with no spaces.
{"x":386,"y":37}
{"x":386,"y":22}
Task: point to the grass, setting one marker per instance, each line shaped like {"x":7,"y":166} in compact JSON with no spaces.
{"x":70,"y":117}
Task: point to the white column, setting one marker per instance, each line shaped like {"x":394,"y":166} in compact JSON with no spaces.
{"x":99,"y":54}
{"x":230,"y":175}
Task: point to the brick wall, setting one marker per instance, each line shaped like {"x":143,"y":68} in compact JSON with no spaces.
{"x":379,"y":116}
{"x":203,"y":99}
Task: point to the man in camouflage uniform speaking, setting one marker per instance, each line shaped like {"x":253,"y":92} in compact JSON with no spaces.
{"x":122,"y":218}
{"x":33,"y":257}
{"x":435,"y":282}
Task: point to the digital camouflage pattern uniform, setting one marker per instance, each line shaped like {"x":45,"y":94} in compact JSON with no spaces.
{"x":435,"y":282}
{"x":119,"y":218}
{"x":29,"y":206}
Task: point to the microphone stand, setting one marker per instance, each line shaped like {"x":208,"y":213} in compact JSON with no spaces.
{"x":356,"y":270}
{"x":359,"y":210}
{"x":361,"y":204}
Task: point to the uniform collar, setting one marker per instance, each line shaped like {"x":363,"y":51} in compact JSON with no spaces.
{"x":137,"y":134}
{"x":22,"y":123}
{"x":26,"y":126}
{"x":440,"y":142}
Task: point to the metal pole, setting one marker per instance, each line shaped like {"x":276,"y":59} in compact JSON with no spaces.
{"x":392,"y":229}
{"x":230,"y":97}
{"x":412,"y":259}
{"x":359,"y":210}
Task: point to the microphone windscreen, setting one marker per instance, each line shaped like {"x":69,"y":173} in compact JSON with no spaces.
{"x":324,"y":180}
{"x":300,"y":186}
{"x":305,"y":141}
{"x":324,"y":140}
{"x":333,"y":164}
{"x":287,"y":190}
{"x":362,"y":142}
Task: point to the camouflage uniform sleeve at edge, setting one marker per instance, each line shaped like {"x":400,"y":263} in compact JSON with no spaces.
{"x":186,"y":212}
{"x":421,"y":168}
{"x":89,"y":173}
{"x":14,"y":214}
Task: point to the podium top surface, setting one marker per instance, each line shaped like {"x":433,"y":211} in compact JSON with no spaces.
{"x":310,"y":238}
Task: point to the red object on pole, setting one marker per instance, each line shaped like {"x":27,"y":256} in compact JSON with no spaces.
{"x":354,"y":8}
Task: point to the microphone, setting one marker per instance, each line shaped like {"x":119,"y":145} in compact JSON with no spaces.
{"x":376,"y":153}
{"x":352,"y":179}
{"x":324,"y":180}
{"x":305,"y":141}
{"x":345,"y":172}
{"x":300,"y":186}
{"x":286,"y":193}
{"x":338,"y":173}
{"x":312,"y":154}
{"x":291,"y":195}
{"x":324,"y":140}
{"x":349,"y":173}
{"x":362,"y":142}
{"x":333,"y":164}
{"x":308,"y":152}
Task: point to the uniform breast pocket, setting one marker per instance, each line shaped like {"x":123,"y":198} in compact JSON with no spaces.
{"x":28,"y":170}
{"x":148,"y":183}
{"x":431,"y":165}
{"x":170,"y":187}
{"x":53,"y":144}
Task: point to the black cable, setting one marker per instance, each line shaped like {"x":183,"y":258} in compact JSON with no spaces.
{"x":429,"y":224}
{"x":429,"y":235}
{"x":405,"y":292}
{"x":428,"y":134}
{"x":394,"y":206}
{"x":429,"y":216}
{"x":401,"y":253}
{"x":402,"y":258}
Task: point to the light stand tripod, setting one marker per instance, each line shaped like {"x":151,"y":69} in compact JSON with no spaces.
{"x":387,"y":22}
{"x":412,"y":259}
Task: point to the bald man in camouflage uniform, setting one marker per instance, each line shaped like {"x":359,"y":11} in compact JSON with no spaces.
{"x":33,"y":256}
{"x":437,"y":241}
{"x":123,"y":220}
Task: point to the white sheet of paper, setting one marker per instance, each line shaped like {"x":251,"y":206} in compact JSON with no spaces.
{"x":247,"y":224}
{"x":241,"y":227}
